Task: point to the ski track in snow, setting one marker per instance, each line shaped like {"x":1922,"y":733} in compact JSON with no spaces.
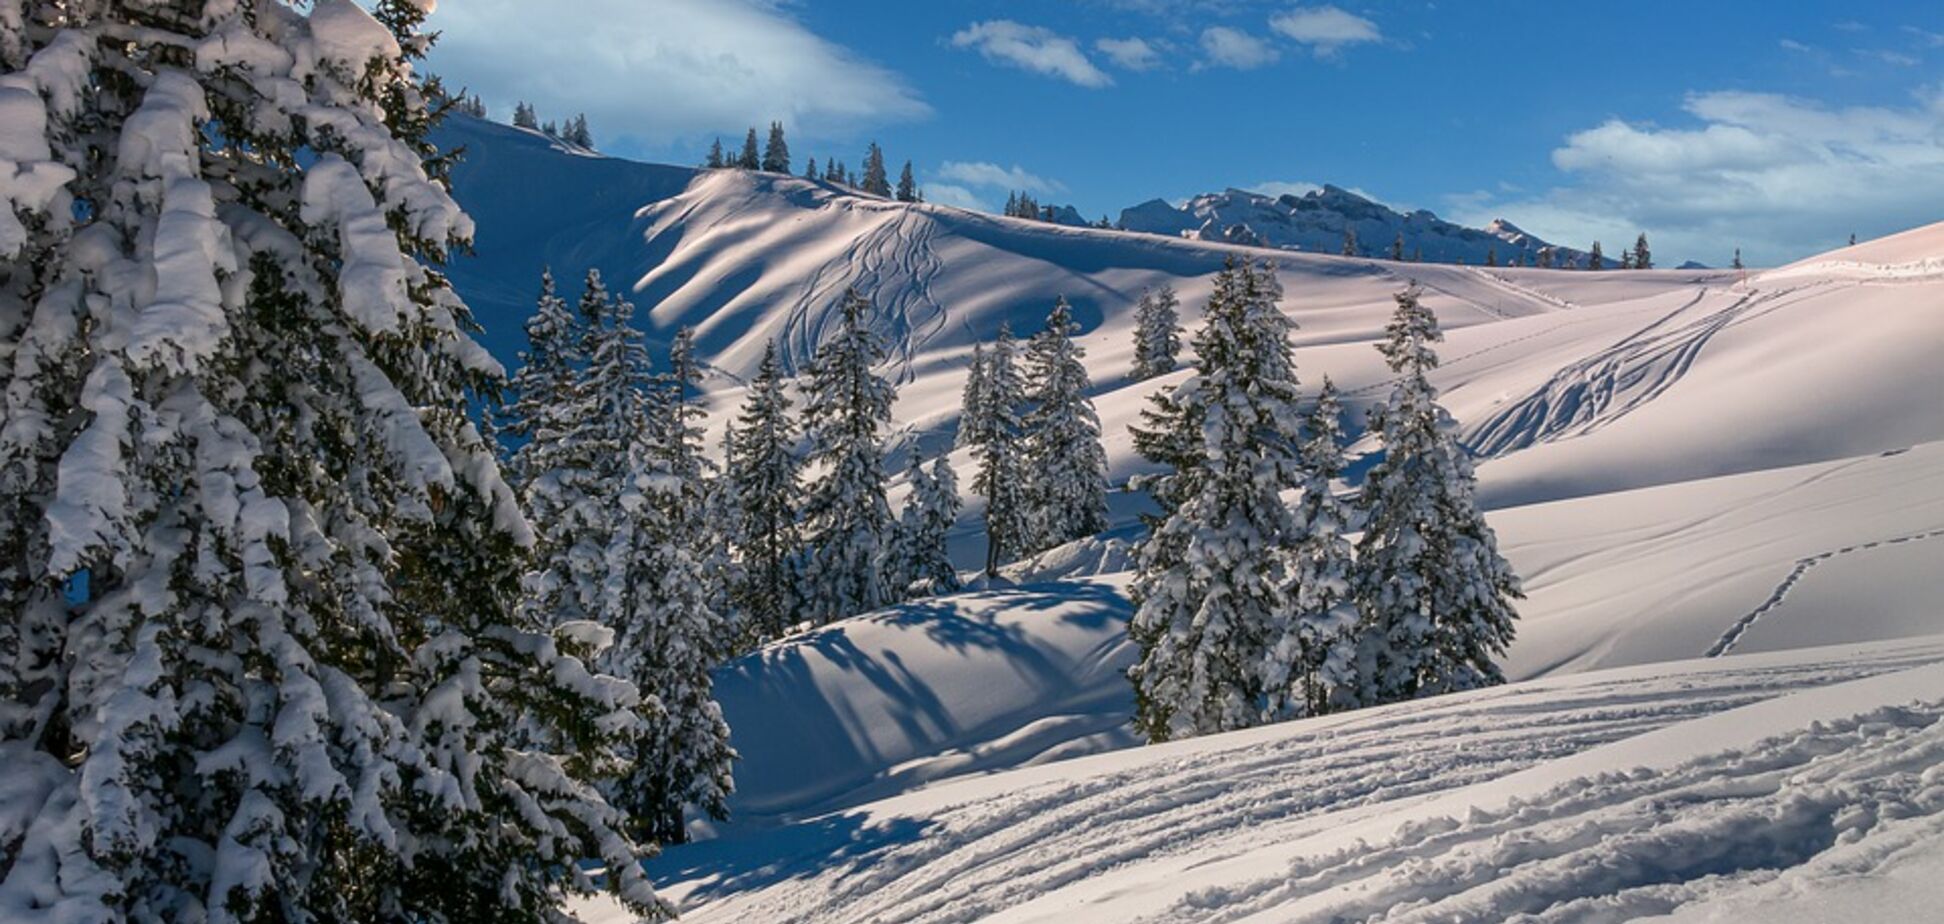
{"x":1726,"y":643}
{"x":992,"y":851}
{"x":1629,"y":844}
{"x":1596,"y":391}
{"x":893,"y":264}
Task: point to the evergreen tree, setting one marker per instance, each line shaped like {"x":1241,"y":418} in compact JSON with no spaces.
{"x":876,"y":181}
{"x":994,"y":398}
{"x":1066,"y":467}
{"x":834,"y":172}
{"x":1642,"y":257}
{"x":764,"y":479}
{"x":776,"y":153}
{"x":847,"y":405}
{"x":810,"y":171}
{"x":646,"y":564}
{"x":1626,"y":260}
{"x":918,"y":564}
{"x":714,"y":160}
{"x":1212,"y":586}
{"x":577,"y":133}
{"x":1491,"y":256}
{"x":1852,"y":240}
{"x":549,"y":129}
{"x":1595,"y":258}
{"x":1350,"y":248}
{"x":524,"y":116}
{"x":1312,"y":668}
{"x":1157,"y":332}
{"x":696,"y":505}
{"x":1397,"y":247}
{"x":1737,"y":264}
{"x":749,"y":160}
{"x":907,"y":186}
{"x":259,"y":658}
{"x":1435,"y":594}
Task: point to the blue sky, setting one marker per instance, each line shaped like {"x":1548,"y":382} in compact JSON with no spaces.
{"x":1777,"y":127}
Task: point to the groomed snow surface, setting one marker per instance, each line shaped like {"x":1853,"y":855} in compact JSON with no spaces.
{"x":1724,"y":491}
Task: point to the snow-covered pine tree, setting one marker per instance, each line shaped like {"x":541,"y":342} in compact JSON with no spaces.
{"x":1312,"y":668}
{"x":1644,"y":258}
{"x":1596,"y":258}
{"x":749,"y":159}
{"x":1626,"y":259}
{"x":698,"y":505}
{"x":543,"y":387}
{"x":1397,"y":247}
{"x":994,"y":398}
{"x":907,"y":185}
{"x":1066,"y":468}
{"x":972,"y":410}
{"x":764,"y":481}
{"x":1350,"y":248}
{"x":1212,"y":584}
{"x":259,"y":657}
{"x":776,"y":152}
{"x":715,"y":160}
{"x":577,"y":133}
{"x":917,"y":564}
{"x":563,"y":477}
{"x":1737,"y":264}
{"x":523,"y":115}
{"x":939,"y":513}
{"x":834,"y":171}
{"x":1157,"y":332}
{"x":847,"y":520}
{"x":651,"y":586}
{"x":876,"y":181}
{"x":1434,"y":592}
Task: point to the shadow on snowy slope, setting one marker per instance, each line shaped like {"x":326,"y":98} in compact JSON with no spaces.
{"x":924,"y":690}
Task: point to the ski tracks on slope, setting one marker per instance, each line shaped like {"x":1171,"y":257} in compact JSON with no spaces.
{"x":894,"y":264}
{"x":1733,"y":636}
{"x":1591,"y":393}
{"x":1621,"y":845}
{"x":996,"y":851}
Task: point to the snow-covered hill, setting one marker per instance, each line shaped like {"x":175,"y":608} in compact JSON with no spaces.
{"x":1683,"y":465}
{"x":1316,"y":221}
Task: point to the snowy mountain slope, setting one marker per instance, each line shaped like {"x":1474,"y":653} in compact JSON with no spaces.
{"x":973,"y":683}
{"x":1594,"y":792}
{"x":1581,"y":382}
{"x":1315,"y":222}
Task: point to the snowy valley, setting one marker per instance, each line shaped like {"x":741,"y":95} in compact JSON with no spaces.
{"x":1724,"y":491}
{"x":409,"y":517}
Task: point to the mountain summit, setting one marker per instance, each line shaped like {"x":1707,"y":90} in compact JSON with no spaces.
{"x":1317,"y":221}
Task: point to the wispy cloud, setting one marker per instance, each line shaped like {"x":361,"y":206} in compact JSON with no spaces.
{"x":1325,"y":29}
{"x":982,"y":173}
{"x":955,"y":195}
{"x":713,"y":66}
{"x":1225,"y":47}
{"x":1134,"y":54}
{"x":1777,"y":175}
{"x":1032,"y":48}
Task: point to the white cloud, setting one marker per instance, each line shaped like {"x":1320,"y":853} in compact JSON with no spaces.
{"x":1032,"y":48}
{"x":1778,"y":176}
{"x":980,"y":173}
{"x":1327,"y":29}
{"x":1226,"y":47}
{"x":659,"y":71}
{"x":1134,"y":54}
{"x":950,"y":194}
{"x":1280,"y":188}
